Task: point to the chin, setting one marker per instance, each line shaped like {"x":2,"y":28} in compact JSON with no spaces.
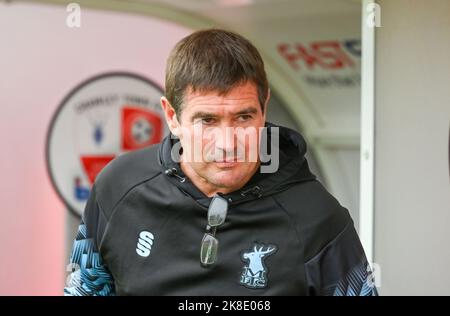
{"x":227,"y":179}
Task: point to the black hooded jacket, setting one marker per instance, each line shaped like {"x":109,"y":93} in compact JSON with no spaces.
{"x":284,"y":234}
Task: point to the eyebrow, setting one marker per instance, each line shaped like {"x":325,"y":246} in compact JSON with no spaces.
{"x":202,"y":114}
{"x":248,"y":110}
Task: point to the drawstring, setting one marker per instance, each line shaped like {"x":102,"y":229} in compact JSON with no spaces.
{"x":173,"y":172}
{"x":256,"y":190}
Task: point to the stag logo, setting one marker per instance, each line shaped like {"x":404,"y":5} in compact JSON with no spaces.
{"x":254,"y":275}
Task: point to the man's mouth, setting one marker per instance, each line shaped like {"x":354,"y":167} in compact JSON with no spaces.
{"x":227,"y":163}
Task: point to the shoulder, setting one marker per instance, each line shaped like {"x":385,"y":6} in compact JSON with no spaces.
{"x":318,"y":216}
{"x":124,"y":173}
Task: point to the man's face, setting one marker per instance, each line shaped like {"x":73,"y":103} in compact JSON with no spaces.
{"x":220,"y":136}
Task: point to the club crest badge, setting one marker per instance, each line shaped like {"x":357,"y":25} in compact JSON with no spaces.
{"x":255,"y":272}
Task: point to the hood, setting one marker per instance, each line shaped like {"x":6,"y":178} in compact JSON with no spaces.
{"x":293,"y":168}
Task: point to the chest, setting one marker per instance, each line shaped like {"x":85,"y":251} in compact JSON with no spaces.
{"x":154,"y":249}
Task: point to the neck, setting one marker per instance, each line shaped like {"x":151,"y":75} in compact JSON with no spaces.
{"x":208,"y":188}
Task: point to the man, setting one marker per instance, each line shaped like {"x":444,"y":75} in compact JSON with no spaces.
{"x":200,"y":213}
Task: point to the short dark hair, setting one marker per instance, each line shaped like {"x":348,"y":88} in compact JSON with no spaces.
{"x":213,"y":60}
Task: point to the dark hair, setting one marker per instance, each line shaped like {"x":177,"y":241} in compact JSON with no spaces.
{"x":213,"y":60}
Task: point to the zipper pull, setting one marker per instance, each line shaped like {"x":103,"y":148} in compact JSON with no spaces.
{"x":173,"y":172}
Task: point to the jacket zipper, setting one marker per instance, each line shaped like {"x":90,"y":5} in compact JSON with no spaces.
{"x":256,"y":190}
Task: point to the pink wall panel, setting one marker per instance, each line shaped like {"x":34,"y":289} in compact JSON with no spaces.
{"x":41,"y":60}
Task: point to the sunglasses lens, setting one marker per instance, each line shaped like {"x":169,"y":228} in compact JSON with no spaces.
{"x":208,"y":252}
{"x":217,"y":211}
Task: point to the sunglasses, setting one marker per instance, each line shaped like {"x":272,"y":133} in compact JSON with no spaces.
{"x":217,"y":212}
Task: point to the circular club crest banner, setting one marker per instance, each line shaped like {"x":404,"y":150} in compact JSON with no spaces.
{"x":100,"y":119}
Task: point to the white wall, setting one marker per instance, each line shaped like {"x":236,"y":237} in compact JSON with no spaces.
{"x":412,"y":196}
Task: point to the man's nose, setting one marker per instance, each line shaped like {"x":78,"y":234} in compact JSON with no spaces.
{"x":225,"y":139}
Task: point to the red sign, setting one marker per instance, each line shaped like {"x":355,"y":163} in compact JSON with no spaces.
{"x":94,"y":164}
{"x":140,"y":128}
{"x":324,"y":54}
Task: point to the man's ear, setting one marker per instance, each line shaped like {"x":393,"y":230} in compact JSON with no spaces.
{"x":170,"y":115}
{"x":266,"y":104}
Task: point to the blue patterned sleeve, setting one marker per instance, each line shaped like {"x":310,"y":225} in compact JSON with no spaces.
{"x":89,"y":274}
{"x":341,"y":268}
{"x":356,"y":282}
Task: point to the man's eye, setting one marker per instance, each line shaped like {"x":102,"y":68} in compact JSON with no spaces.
{"x":245,"y":117}
{"x":207,"y":120}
